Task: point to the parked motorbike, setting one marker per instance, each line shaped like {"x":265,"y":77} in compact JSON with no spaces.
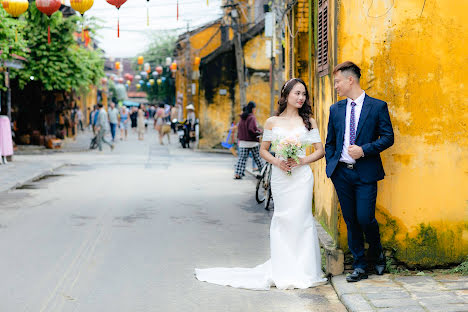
{"x":186,"y":132}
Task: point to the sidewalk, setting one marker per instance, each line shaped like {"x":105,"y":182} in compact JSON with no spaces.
{"x":404,"y":293}
{"x":25,"y":167}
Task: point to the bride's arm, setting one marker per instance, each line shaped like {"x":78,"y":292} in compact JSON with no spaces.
{"x":265,"y":147}
{"x":318,"y":153}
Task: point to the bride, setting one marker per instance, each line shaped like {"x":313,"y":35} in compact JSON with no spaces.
{"x":295,"y":252}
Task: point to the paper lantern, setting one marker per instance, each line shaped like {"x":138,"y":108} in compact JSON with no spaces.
{"x":140,"y":60}
{"x":129,"y":82}
{"x":128,"y":76}
{"x":82,"y":6}
{"x":144,"y":75}
{"x":48,"y":7}
{"x":138,"y":86}
{"x":168,"y":61}
{"x":177,"y":9}
{"x":173,"y":67}
{"x":117,"y":65}
{"x":155,"y":74}
{"x":147,"y":67}
{"x":15,"y":7}
{"x":151,"y":81}
{"x":120,"y":80}
{"x":159,"y":81}
{"x":137,"y":77}
{"x":141,"y":82}
{"x":117,"y":4}
{"x":148,"y":84}
{"x":197,"y":60}
{"x":159,"y":69}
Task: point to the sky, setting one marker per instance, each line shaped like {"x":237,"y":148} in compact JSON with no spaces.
{"x":135,"y":35}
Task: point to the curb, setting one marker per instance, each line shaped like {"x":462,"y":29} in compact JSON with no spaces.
{"x":34,"y":178}
{"x":213,"y":151}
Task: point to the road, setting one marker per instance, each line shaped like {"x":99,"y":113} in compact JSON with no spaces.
{"x":124,"y":230}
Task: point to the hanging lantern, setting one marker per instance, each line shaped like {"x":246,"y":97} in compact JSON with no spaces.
{"x":197,"y":60}
{"x":117,"y":4}
{"x":104,"y":81}
{"x":173,"y":67}
{"x":117,"y":65}
{"x":128,"y":76}
{"x":159,"y":69}
{"x":148,"y":84}
{"x":137,"y":77}
{"x":138,"y":86}
{"x":159,"y":81}
{"x":15,"y":8}
{"x":151,"y":81}
{"x":177,"y":9}
{"x":155,"y":74}
{"x":140,"y":60}
{"x":144,"y":75}
{"x":168,"y":61}
{"x":147,"y":67}
{"x":141,"y":82}
{"x":48,"y":7}
{"x":163,"y":79}
{"x":129,"y":82}
{"x":81,"y":6}
{"x":120,"y":80}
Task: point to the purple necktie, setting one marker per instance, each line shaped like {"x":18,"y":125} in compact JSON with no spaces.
{"x":352,"y":126}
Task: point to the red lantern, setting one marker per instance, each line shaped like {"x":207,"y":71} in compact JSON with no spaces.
{"x":48,"y":7}
{"x":177,"y":9}
{"x":128,"y":76}
{"x":117,"y":4}
{"x":159,"y":69}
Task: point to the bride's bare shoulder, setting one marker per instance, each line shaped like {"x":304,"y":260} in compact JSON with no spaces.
{"x":270,"y":122}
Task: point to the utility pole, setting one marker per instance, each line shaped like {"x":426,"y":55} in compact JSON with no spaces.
{"x":239,"y":55}
{"x":188,"y":68}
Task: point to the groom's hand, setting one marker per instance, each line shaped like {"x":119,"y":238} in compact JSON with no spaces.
{"x":355,"y":151}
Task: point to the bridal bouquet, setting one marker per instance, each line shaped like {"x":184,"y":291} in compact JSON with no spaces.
{"x":289,"y":147}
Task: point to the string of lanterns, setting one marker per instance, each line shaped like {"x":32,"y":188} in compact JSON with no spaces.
{"x":147,"y":76}
{"x":17,"y":7}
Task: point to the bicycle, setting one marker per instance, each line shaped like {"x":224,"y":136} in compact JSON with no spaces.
{"x":263,"y":189}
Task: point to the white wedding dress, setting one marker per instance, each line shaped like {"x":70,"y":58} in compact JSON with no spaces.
{"x":295,"y":252}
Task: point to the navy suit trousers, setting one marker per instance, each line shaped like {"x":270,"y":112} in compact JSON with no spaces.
{"x":357,"y":201}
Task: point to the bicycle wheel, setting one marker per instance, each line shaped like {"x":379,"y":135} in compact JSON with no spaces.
{"x":260,"y":191}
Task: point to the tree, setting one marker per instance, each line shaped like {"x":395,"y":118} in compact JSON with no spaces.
{"x":161,"y":47}
{"x":11,"y":42}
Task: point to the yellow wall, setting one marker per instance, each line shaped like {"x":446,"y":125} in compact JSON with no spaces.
{"x":414,"y":60}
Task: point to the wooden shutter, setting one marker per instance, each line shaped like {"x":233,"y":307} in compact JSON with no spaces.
{"x":322,"y":38}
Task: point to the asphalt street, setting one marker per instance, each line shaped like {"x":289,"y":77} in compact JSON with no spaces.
{"x":124,"y":230}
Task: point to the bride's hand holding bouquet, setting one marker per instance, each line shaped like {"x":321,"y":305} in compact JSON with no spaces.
{"x":289,"y":149}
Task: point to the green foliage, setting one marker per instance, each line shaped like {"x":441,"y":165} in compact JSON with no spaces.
{"x":11,"y":41}
{"x":462,"y":268}
{"x":162,"y":45}
{"x":62,"y":64}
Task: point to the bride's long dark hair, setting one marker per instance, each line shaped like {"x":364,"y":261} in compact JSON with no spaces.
{"x":305,"y":111}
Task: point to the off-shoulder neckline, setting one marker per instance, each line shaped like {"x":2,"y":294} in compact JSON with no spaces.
{"x":302,"y":127}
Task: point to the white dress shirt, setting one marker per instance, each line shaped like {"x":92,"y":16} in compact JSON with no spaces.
{"x":357,"y":113}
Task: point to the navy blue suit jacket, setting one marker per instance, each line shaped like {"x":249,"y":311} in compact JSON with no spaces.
{"x":374,"y":134}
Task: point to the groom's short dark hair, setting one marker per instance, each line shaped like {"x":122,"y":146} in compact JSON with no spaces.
{"x":348,"y":67}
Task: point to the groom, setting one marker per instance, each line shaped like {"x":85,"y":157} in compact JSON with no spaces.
{"x":359,"y":129}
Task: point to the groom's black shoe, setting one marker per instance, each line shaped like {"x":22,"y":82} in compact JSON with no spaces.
{"x":380,"y":264}
{"x":356,"y":276}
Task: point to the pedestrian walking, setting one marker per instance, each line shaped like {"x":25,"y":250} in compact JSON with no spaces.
{"x":124,"y":122}
{"x":134,"y":117}
{"x":359,"y":129}
{"x":113,"y":114}
{"x":102,"y":126}
{"x":247,"y":134}
{"x":141,"y":123}
{"x":79,"y":117}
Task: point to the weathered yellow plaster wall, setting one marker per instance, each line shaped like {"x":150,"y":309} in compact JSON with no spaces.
{"x":413,"y":58}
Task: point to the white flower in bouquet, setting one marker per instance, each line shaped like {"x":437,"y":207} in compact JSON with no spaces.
{"x":289,"y":148}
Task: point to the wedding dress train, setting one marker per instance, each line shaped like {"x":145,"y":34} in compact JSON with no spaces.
{"x":295,"y":252}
